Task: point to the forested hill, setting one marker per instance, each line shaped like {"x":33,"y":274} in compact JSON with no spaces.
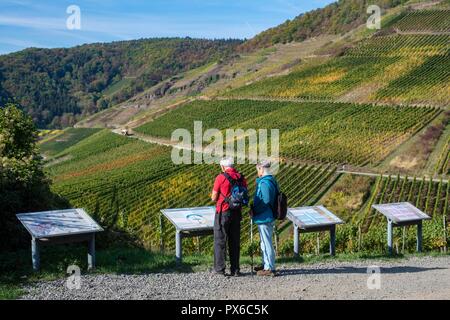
{"x":55,"y":86}
{"x":336,"y":18}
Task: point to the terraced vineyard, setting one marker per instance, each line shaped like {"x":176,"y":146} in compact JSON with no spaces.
{"x":326,"y":81}
{"x":402,"y":46}
{"x":127,"y":184}
{"x":384,"y":69}
{"x":348,"y":109}
{"x":425,"y":20}
{"x":428,"y":82}
{"x":321,"y":132}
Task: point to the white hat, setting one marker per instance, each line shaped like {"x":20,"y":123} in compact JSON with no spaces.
{"x":227,"y":162}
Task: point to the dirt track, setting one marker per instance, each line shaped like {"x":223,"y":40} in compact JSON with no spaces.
{"x":416,"y":278}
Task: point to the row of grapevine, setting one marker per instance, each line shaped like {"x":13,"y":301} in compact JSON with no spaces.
{"x":320,"y":132}
{"x":402,"y":45}
{"x":325,"y":81}
{"x":390,"y":69}
{"x":428,"y":82}
{"x":425,"y":20}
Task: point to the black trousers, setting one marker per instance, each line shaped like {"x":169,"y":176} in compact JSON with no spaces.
{"x":227,"y":230}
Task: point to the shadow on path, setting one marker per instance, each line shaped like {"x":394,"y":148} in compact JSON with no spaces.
{"x":356,"y":270}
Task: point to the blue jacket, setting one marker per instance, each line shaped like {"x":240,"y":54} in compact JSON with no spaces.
{"x":264,"y":199}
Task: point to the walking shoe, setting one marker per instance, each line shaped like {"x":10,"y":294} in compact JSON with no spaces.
{"x":236,"y":274}
{"x":219,"y":273}
{"x":258,"y":268}
{"x":265,"y":273}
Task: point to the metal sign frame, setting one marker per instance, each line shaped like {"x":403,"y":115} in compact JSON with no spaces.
{"x":181,"y":233}
{"x":393,"y":221}
{"x":301,"y":227}
{"x":87,"y":218}
{"x":38,"y":240}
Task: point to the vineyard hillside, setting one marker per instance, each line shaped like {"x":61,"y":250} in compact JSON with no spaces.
{"x":125,"y":183}
{"x":318,"y":131}
{"x":353,"y":109}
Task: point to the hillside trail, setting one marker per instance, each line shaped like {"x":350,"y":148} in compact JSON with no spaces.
{"x":341,"y":169}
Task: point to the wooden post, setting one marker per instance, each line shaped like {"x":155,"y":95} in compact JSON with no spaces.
{"x":296,"y":240}
{"x":91,"y":253}
{"x":35,"y":254}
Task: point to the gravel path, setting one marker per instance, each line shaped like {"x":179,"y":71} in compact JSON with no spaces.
{"x":415,"y":278}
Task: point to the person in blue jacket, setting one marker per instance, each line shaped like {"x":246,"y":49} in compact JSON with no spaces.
{"x":263,"y":216}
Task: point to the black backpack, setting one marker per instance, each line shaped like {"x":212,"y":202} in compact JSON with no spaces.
{"x":239,"y":193}
{"x":280,"y":206}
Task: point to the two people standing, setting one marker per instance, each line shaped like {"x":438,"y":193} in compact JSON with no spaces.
{"x":229,"y":193}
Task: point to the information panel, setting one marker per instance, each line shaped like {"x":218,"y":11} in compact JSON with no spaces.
{"x":187,"y":219}
{"x":56,"y":223}
{"x":309,"y":217}
{"x":401,"y":212}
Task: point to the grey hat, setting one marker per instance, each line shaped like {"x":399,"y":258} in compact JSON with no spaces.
{"x":264,"y":164}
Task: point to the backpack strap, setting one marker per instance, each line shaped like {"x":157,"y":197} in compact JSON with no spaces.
{"x":230,"y":180}
{"x":234,"y":181}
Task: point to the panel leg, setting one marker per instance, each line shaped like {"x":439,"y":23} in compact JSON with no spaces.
{"x":419,"y":236}
{"x":91,"y":253}
{"x":333,"y":240}
{"x":296,"y":240}
{"x":178,"y":249}
{"x":390,"y":237}
{"x":35,"y":255}
{"x":161,"y":233}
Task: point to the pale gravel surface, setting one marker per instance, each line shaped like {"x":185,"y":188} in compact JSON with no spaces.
{"x":415,"y":278}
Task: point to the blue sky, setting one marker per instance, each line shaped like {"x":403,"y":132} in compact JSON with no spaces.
{"x":42,"y":23}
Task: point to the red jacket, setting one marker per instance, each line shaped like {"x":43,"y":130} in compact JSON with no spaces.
{"x":223,"y":187}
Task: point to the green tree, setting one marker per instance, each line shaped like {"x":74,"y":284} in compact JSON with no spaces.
{"x":23,"y":184}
